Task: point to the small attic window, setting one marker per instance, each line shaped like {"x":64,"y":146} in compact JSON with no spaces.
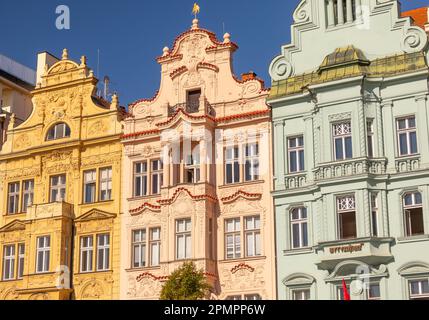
{"x":340,"y":12}
{"x":58,"y":131}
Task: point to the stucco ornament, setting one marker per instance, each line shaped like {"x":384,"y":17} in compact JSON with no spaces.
{"x":415,"y":39}
{"x":303,"y":12}
{"x":280,"y":68}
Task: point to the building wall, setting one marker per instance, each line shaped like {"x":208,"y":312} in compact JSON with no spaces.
{"x":199,"y":61}
{"x":64,"y":95}
{"x":354,"y":92}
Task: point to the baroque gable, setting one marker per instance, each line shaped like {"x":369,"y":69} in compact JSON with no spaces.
{"x":15,"y":225}
{"x":95,"y":214}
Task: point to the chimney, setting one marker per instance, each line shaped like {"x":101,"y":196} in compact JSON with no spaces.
{"x":248,"y":76}
{"x":43,"y":59}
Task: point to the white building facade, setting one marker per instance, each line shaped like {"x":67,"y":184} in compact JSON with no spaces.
{"x":351,"y":153}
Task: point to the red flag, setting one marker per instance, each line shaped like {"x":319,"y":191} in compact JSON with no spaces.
{"x":345,"y":291}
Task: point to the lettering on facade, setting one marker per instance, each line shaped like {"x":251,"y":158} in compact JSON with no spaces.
{"x":346,"y":249}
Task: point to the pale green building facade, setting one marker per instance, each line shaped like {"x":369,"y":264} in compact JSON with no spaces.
{"x":351,"y":153}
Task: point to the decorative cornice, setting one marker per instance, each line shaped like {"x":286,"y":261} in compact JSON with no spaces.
{"x":152,"y":276}
{"x":242,"y":266}
{"x":177,"y":72}
{"x":242,"y":194}
{"x":194,"y":197}
{"x":140,"y":133}
{"x":244,"y":115}
{"x":180,"y":110}
{"x":144,"y":206}
{"x":132,"y":105}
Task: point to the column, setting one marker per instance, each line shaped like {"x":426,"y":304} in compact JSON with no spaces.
{"x":166,"y":170}
{"x":309,"y":147}
{"x":340,"y":13}
{"x":331,"y":15}
{"x":422,"y":128}
{"x":358,"y":9}
{"x":279,"y":155}
{"x":389,"y":134}
{"x":203,"y":161}
{"x":349,"y":10}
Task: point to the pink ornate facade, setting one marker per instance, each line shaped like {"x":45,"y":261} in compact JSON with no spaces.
{"x":197,"y":175}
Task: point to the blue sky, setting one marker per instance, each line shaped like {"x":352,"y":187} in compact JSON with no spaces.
{"x":130,"y":34}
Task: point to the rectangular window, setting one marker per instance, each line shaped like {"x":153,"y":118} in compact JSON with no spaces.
{"x":157,"y":176}
{"x":296,"y":154}
{"x":346,"y":211}
{"x":340,"y":291}
{"x":407,"y":136}
{"x":253,"y":236}
{"x":89,"y":181}
{"x":140,"y":179}
{"x":155,"y":246}
{"x":139,"y":248}
{"x":183,"y":239}
{"x":251,"y":170}
{"x":301,"y":294}
{"x":299,"y":226}
{"x":232,"y":165}
{"x":9,"y":262}
{"x":103,"y":252}
{"x":193,"y":101}
{"x":373,"y":291}
{"x":43,"y":254}
{"x":374,"y":215}
{"x":254,"y":296}
{"x":343,"y":141}
{"x":105,"y":184}
{"x":192,"y":168}
{"x":419,"y":289}
{"x":413,"y":210}
{"x":13,"y":198}
{"x":232,"y":238}
{"x":370,"y":138}
{"x":27,"y":194}
{"x":86,"y":253}
{"x":58,"y":188}
{"x":21,"y":257}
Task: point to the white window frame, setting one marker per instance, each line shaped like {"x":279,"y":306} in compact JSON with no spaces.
{"x":408,"y":130}
{"x":421,"y":294}
{"x":301,"y":293}
{"x":59,"y":131}
{"x":103,"y":252}
{"x":375,"y":215}
{"x":154,"y":247}
{"x":45,"y":251}
{"x":255,"y":235}
{"x":143,"y":174}
{"x":302,"y":222}
{"x":251,"y":153}
{"x":159,"y":174}
{"x":368,"y":291}
{"x":13,"y":194}
{"x":9,"y":260}
{"x":192,"y":165}
{"x":183,"y":236}
{"x":141,"y":245}
{"x":106,"y":185}
{"x":407,"y":208}
{"x":62,"y":185}
{"x":236,"y":244}
{"x":343,"y":208}
{"x":297,"y":149}
{"x":342,"y":131}
{"x":232,"y":160}
{"x":27,"y":194}
{"x":90,"y":179}
{"x":88,"y":250}
{"x":370,"y":138}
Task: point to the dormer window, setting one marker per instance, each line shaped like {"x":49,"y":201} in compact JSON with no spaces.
{"x":58,"y":131}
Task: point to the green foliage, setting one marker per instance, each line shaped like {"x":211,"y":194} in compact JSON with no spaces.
{"x":186,"y":283}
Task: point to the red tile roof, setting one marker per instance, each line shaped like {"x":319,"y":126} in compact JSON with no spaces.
{"x":419,"y":15}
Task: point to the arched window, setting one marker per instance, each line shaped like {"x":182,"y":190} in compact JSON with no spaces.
{"x":58,"y":131}
{"x":413,"y":214}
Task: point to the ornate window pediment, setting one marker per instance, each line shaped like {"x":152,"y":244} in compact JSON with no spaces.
{"x":95,"y":214}
{"x":414,"y":268}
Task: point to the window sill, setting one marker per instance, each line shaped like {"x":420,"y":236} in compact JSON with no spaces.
{"x":293,"y":252}
{"x":408,"y":156}
{"x":15,"y":214}
{"x":93,"y":272}
{"x":143,"y":269}
{"x":243,"y":259}
{"x":237,"y":184}
{"x":95,"y":203}
{"x":423,"y":237}
{"x":151,"y":196}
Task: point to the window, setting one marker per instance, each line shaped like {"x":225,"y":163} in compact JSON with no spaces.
{"x":59,"y":131}
{"x":86,"y":253}
{"x":301,"y":294}
{"x":58,"y":188}
{"x":105,"y":184}
{"x":155,"y":246}
{"x":157,"y":176}
{"x":253,"y":236}
{"x":299,"y":225}
{"x":370,"y":138}
{"x":139,"y":248}
{"x":340,"y":291}
{"x":9,"y":262}
{"x":193,"y":101}
{"x":374,"y":215}
{"x":234,"y":298}
{"x":296,"y":154}
{"x":407,"y":136}
{"x":343,"y":141}
{"x":103,"y":252}
{"x":346,"y":210}
{"x":192,"y":167}
{"x":89,"y":180}
{"x":413,"y":210}
{"x":43,"y":254}
{"x":232,"y":238}
{"x":342,"y":12}
{"x":251,"y":170}
{"x":232,"y":165}
{"x":253,"y":296}
{"x":419,"y":289}
{"x":13,"y":198}
{"x":27,"y":194}
{"x":183,"y":239}
{"x":21,"y":257}
{"x":140,"y":179}
{"x":373,"y":291}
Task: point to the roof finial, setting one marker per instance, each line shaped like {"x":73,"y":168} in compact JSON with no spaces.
{"x":83,"y":61}
{"x":194,"y":24}
{"x":195,"y":11}
{"x":165,"y":51}
{"x":226,"y":38}
{"x":65,"y":54}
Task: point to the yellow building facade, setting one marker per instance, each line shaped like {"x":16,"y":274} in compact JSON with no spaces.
{"x":60,"y":178}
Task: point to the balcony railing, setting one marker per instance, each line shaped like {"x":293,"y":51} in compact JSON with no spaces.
{"x":191,"y":107}
{"x":407,"y":164}
{"x":350,"y":168}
